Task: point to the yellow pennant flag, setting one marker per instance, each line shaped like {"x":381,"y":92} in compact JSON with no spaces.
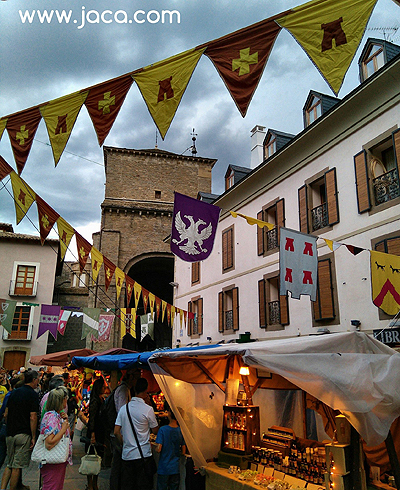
{"x":172,"y":315}
{"x":119,"y":280}
{"x":329,"y":31}
{"x":60,"y":116}
{"x":65,"y":232}
{"x":97,"y":261}
{"x":385,"y":278}
{"x":3,"y":122}
{"x":24,"y":196}
{"x":180,"y":316}
{"x":163,"y":84}
{"x":253,"y":221}
{"x":163,"y":308}
{"x":152,"y":299}
{"x":137,"y":291}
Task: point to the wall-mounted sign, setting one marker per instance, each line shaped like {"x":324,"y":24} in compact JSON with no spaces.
{"x":389,"y":336}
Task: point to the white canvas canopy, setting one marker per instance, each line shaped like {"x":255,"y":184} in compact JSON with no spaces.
{"x":351,"y":372}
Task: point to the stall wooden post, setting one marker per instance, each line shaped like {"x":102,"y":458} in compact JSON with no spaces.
{"x":394,"y":461}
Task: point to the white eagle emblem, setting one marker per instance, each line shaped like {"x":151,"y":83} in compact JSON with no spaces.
{"x":191,"y":234}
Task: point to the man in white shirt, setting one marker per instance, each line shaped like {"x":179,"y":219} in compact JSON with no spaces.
{"x":144,"y":421}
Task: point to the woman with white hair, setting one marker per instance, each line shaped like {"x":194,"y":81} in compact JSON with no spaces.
{"x":54,"y":425}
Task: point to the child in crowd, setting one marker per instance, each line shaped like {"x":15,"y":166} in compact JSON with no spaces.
{"x":170,"y":446}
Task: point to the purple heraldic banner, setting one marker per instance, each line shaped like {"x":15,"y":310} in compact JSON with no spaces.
{"x":49,"y":316}
{"x":194,"y":225}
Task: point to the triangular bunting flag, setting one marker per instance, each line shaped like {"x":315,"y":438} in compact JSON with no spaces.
{"x":109,"y":269}
{"x":253,"y":221}
{"x":119,"y":280}
{"x":49,"y":316}
{"x":7,"y":310}
{"x":5,"y":169}
{"x":173,"y":312}
{"x":21,"y":128}
{"x":332,"y":245}
{"x":47,"y":218}
{"x":158,"y":308}
{"x":84,"y":249}
{"x":65,"y":233}
{"x":90,"y":323}
{"x":63,"y":320}
{"x":163,"y":308}
{"x":354,"y":250}
{"x":185,"y":316}
{"x":152,"y":299}
{"x":240,"y":58}
{"x":104,"y":102}
{"x":60,"y":116}
{"x":329,"y":32}
{"x":3,"y":122}
{"x":145,"y":297}
{"x":168,"y":314}
{"x":163,"y":84}
{"x":137,"y":291}
{"x":129,"y":289}
{"x":23,"y":196}
{"x":385,"y":279}
{"x":97,"y":261}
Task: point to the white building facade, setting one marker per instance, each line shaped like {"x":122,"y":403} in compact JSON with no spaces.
{"x":339,"y":180}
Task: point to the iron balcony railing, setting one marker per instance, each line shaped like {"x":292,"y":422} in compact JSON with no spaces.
{"x":228,"y":320}
{"x":274,"y":313}
{"x":272,"y":238}
{"x":386,"y":187}
{"x":319,"y":217}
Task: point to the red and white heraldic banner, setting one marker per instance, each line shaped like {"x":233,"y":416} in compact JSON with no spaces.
{"x":298,"y":264}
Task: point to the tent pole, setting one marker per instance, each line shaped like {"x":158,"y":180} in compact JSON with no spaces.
{"x":304,"y":414}
{"x":394,"y":461}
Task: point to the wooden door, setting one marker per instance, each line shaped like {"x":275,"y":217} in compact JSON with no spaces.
{"x":14,"y":359}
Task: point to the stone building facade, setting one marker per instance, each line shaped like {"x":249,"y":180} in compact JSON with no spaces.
{"x":136,"y":220}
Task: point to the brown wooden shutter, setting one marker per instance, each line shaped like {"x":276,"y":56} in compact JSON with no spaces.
{"x":324,"y":307}
{"x":227,"y":249}
{"x":260,"y":235}
{"x":362,"y":182}
{"x":331,"y":196}
{"x":235,"y":308}
{"x":303,"y":209}
{"x":393,"y":246}
{"x":262,"y":313}
{"x":190,"y":320}
{"x":195,"y":272}
{"x":200,"y":316}
{"x":267,"y":300}
{"x":221,"y":315}
{"x":380,"y":247}
{"x":396,"y":146}
{"x":280,"y":216}
{"x":284,"y":309}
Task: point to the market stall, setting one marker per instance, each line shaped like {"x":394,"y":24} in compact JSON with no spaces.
{"x":350,"y":372}
{"x":61,"y":358}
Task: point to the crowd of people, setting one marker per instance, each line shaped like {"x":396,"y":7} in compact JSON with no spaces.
{"x":118,"y":425}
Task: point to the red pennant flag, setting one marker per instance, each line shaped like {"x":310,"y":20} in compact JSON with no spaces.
{"x":104,"y":102}
{"x":158,"y":307}
{"x":145,"y":296}
{"x":190,"y":315}
{"x":240,"y":58}
{"x":5,"y":169}
{"x":84,"y":249}
{"x":47,"y":218}
{"x":354,"y":250}
{"x":109,"y":269}
{"x":21,"y":128}
{"x":129,"y":288}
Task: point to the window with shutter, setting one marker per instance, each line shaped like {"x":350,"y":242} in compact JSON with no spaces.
{"x":195,"y":325}
{"x":195,"y":273}
{"x":324,"y":304}
{"x":227,"y":250}
{"x":228,"y":310}
{"x":268,"y":240}
{"x":21,"y":328}
{"x":273,"y":308}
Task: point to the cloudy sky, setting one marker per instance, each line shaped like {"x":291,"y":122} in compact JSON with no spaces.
{"x":43,"y":61}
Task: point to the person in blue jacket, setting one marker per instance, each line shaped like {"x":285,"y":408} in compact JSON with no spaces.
{"x":170,"y":445}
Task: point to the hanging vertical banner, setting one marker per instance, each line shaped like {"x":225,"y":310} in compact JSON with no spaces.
{"x":330,"y":33}
{"x":105,"y":323}
{"x":163,"y":84}
{"x":84,"y":249}
{"x":194,"y":224}
{"x":119,"y":280}
{"x":60,"y":116}
{"x":63,"y":320}
{"x":47,"y":218}
{"x":385,"y":279}
{"x":90,"y":324}
{"x":240,"y":59}
{"x":24,"y":196}
{"x":128,"y":321}
{"x":104,"y":102}
{"x":5,"y":169}
{"x":109,"y":269}
{"x":147,"y":326}
{"x":49,"y":316}
{"x":97,"y":261}
{"x":65,"y":233}
{"x":7,"y":310}
{"x":298,"y":264}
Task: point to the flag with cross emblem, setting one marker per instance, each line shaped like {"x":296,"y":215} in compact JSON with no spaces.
{"x":84,"y":248}
{"x":21,"y":128}
{"x":104,"y":102}
{"x":60,"y":116}
{"x":65,"y":233}
{"x":47,"y":218}
{"x":298,"y":264}
{"x":240,"y":58}
{"x":330,"y":33}
{"x":24,"y":196}
{"x":163,"y":84}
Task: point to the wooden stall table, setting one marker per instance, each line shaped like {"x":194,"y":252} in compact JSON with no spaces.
{"x":217,"y":478}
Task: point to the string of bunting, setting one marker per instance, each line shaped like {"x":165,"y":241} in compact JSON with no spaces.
{"x":329,"y":31}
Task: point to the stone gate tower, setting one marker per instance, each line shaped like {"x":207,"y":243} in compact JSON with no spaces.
{"x":136,"y":219}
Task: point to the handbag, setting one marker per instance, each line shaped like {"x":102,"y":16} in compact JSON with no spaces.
{"x":149,"y":464}
{"x":56,"y":455}
{"x":90,"y":463}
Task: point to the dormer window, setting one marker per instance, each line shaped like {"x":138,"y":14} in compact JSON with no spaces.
{"x":373,"y":61}
{"x":314,"y":110}
{"x":270,"y":147}
{"x":230,"y":180}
